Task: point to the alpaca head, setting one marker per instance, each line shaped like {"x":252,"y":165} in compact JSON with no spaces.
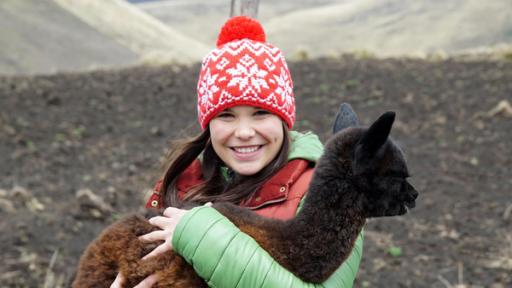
{"x":375,"y":165}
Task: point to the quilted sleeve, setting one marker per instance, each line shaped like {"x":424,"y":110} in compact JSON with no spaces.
{"x":225,"y":257}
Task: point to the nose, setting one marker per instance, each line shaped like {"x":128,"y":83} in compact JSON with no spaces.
{"x":244,"y":130}
{"x":412,"y":191}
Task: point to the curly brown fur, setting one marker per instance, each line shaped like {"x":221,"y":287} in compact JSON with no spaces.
{"x":361,"y":174}
{"x":118,"y":249}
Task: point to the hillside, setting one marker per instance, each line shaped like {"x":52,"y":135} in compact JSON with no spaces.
{"x":44,"y":37}
{"x":330,"y":27}
{"x":40,"y":37}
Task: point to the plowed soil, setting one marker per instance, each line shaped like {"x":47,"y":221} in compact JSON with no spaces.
{"x":107,"y":131}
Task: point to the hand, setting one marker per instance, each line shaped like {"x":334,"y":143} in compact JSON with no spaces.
{"x":146,"y":283}
{"x":168,"y":222}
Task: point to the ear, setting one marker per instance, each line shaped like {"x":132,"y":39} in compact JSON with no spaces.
{"x":377,"y":134}
{"x":345,"y":118}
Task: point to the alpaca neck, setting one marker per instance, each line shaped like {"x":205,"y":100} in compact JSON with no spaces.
{"x":332,"y":204}
{"x":329,"y":222}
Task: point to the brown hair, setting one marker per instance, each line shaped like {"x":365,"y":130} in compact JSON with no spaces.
{"x":215,"y":187}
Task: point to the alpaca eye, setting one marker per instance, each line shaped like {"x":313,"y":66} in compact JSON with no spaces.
{"x":399,"y":182}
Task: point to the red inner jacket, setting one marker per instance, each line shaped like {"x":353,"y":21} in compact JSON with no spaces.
{"x":278,"y":198}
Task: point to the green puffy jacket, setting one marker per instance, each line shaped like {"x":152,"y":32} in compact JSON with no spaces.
{"x":225,"y":257}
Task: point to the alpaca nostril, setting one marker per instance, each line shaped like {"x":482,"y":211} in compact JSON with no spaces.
{"x":412,"y":192}
{"x":410,"y":202}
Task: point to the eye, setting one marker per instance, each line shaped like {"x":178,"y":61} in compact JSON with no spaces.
{"x":225,"y":115}
{"x":261,"y":112}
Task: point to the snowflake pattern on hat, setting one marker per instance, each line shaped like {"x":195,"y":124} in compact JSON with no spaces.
{"x":245,"y":72}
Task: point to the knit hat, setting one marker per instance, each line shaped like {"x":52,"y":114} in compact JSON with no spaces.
{"x":244,"y":70}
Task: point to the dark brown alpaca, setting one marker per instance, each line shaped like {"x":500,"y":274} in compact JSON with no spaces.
{"x":361,"y":174}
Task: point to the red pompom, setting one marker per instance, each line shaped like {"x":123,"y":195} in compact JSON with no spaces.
{"x":241,"y":27}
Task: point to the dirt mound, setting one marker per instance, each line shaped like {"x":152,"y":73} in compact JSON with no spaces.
{"x":78,"y":150}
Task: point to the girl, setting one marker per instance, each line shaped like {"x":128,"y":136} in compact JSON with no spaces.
{"x":246,"y":155}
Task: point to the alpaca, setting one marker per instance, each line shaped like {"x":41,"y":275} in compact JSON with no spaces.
{"x":362,"y":174}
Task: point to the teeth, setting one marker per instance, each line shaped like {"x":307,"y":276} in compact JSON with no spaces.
{"x":246,"y":149}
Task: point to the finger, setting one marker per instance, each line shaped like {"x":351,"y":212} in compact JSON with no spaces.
{"x":170,"y":211}
{"x":208,"y":204}
{"x":118,"y":281}
{"x":155,"y":236}
{"x":147,"y":282}
{"x":161,"y":221}
{"x":162,"y":248}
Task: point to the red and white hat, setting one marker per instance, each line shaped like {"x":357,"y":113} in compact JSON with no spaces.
{"x":244,"y":70}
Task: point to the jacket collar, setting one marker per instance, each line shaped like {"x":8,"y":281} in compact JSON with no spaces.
{"x":277,"y":188}
{"x":305,"y":148}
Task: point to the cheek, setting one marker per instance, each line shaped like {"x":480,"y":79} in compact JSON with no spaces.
{"x":273,"y":131}
{"x":219,"y":132}
{"x":278,"y":139}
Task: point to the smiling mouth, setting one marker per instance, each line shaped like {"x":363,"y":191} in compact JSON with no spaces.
{"x":247,"y":149}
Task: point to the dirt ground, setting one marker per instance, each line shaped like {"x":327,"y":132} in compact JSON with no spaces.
{"x":79,"y":150}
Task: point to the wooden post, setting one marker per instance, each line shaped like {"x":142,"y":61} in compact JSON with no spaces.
{"x":244,"y":7}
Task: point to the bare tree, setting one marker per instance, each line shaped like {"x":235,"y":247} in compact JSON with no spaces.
{"x":245,"y":7}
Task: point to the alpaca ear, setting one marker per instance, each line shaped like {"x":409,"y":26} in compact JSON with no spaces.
{"x":377,"y":134}
{"x":345,"y":118}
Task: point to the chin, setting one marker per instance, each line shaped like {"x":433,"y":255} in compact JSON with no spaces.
{"x":247,"y":171}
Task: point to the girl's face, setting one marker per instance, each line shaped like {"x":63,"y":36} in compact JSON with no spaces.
{"x":246,"y":138}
